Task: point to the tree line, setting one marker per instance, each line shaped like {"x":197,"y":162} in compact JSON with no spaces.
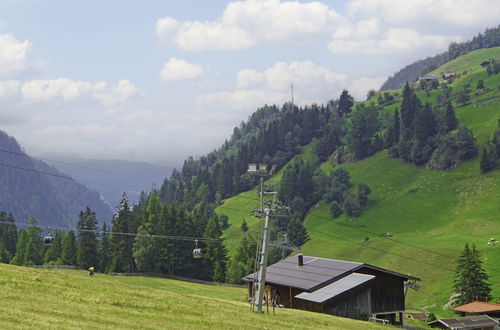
{"x":118,"y":248}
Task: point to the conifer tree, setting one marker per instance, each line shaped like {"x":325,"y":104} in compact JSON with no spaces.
{"x":53,"y":251}
{"x":121,"y":245}
{"x":346,"y":101}
{"x":296,"y":232}
{"x":69,"y":249}
{"x":8,"y":237}
{"x":215,"y":251}
{"x":393,"y":131}
{"x":488,"y":157}
{"x":450,"y":118}
{"x":34,"y":249}
{"x":103,"y":249}
{"x":470,"y":278}
{"x":21,"y":248}
{"x":465,"y":143}
{"x":87,"y":239}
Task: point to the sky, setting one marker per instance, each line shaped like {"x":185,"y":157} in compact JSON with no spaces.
{"x":158,"y":81}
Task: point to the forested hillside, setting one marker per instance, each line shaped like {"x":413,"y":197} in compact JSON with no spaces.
{"x":490,"y":38}
{"x":30,"y":187}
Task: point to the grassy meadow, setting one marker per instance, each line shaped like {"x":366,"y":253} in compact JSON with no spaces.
{"x":70,"y":299}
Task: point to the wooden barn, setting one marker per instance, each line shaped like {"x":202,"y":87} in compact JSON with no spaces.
{"x":343,"y":288}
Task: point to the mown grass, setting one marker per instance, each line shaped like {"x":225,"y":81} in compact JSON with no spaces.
{"x":429,"y":215}
{"x":69,"y":299}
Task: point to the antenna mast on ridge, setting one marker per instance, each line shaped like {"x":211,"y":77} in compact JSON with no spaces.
{"x":291,"y":85}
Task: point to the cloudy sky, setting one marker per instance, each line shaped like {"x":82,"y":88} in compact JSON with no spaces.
{"x":160,"y":80}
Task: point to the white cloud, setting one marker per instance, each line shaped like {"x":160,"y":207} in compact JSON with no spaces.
{"x":279,"y":77}
{"x":245,"y":24}
{"x":13,"y":55}
{"x":360,"y":87}
{"x":9,"y":88}
{"x":178,"y":69}
{"x":65,"y":90}
{"x":453,"y":12}
{"x":121,"y":93}
{"x":248,"y":100}
{"x":392,"y":41}
{"x":61,"y":89}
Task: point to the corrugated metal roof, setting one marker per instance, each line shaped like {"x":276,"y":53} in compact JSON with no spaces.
{"x":467,"y":322}
{"x":332,"y":290}
{"x":478,"y":307}
{"x":315,"y":273}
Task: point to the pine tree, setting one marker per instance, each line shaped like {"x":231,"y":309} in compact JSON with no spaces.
{"x":470,"y":278}
{"x":69,"y":249}
{"x":8,"y":237}
{"x":215,"y":251}
{"x":465,"y":143}
{"x":53,"y":251}
{"x":21,"y":248}
{"x":34,"y":248}
{"x":296,"y":232}
{"x":121,"y":245}
{"x":345,"y":104}
{"x":488,"y":157}
{"x":87,"y":239}
{"x":103,"y":249}
{"x":393,"y":131}
{"x":450,"y":118}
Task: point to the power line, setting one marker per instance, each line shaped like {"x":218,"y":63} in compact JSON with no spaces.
{"x":72,"y":164}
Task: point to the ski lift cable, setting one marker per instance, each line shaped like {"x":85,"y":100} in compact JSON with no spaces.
{"x":167,"y":237}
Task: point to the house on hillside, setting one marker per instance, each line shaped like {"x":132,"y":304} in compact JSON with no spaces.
{"x":484,"y":64}
{"x":343,"y":288}
{"x":479,"y":307}
{"x":449,"y":76}
{"x":477,"y":322}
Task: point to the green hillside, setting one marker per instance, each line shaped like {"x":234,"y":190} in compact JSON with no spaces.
{"x":68,"y":299}
{"x":418,"y":220}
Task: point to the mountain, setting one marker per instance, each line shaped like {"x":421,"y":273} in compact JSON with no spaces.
{"x":30,"y":187}
{"x":489,"y":39}
{"x":114,"y":177}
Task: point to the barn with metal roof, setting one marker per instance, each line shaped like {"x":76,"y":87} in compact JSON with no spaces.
{"x":344,"y":288}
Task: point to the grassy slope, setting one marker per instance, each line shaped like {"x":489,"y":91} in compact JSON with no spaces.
{"x":38,"y":298}
{"x":437,"y":211}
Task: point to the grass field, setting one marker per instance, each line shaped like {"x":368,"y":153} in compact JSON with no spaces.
{"x":418,"y":220}
{"x":69,"y":299}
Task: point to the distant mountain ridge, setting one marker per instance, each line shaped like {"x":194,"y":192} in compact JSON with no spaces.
{"x":112,"y":177}
{"x":30,"y":187}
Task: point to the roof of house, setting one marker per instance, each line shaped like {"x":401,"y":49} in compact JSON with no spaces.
{"x":336,"y":288}
{"x":428,"y":78}
{"x":467,"y":322}
{"x":315,"y":272}
{"x":478,"y":307}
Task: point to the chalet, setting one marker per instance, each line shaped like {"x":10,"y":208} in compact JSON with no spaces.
{"x":479,"y":322}
{"x":484,"y":64}
{"x":479,"y":307}
{"x":448,"y":76}
{"x":343,"y":288}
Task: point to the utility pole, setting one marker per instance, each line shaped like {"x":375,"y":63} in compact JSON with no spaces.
{"x":259,"y":282}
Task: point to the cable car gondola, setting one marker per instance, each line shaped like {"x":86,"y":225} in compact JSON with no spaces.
{"x":197,"y":253}
{"x":48,"y":239}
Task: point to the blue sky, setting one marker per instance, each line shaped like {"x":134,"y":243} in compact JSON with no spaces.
{"x":160,"y":80}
